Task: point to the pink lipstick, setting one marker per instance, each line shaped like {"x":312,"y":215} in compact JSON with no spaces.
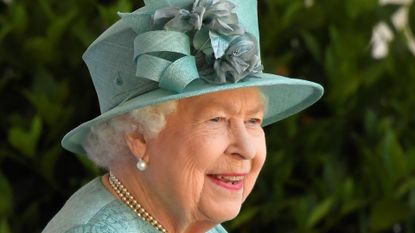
{"x":228,"y":181}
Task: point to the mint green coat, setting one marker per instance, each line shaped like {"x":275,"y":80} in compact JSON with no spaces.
{"x":93,"y":209}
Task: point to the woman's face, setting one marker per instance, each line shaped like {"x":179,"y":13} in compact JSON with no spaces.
{"x":206,"y":160}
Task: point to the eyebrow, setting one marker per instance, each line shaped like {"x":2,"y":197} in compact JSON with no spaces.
{"x":230,"y":107}
{"x":259,"y":108}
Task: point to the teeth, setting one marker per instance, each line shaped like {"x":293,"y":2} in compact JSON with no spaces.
{"x":232,"y":179}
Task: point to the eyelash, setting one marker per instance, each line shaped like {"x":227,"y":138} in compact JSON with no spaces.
{"x":254,"y":121}
{"x":217,"y":119}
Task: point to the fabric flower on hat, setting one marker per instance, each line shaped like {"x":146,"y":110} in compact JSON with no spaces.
{"x":240,"y":59}
{"x":224,"y":52}
{"x":216,"y":15}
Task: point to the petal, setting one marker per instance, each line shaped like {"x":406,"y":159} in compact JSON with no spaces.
{"x":219,"y":44}
{"x":223,"y":5}
{"x":201,"y":41}
{"x":178,"y":24}
{"x":166,"y":13}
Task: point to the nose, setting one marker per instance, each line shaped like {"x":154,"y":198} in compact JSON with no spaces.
{"x":241,"y":142}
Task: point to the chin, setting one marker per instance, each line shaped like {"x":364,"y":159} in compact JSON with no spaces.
{"x":231,"y":216}
{"x":225,"y":212}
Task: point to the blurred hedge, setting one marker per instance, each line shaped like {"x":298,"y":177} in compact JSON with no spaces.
{"x":345,"y":165}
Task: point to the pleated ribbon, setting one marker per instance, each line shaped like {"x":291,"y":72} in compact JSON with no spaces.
{"x":164,"y":57}
{"x":162,"y":48}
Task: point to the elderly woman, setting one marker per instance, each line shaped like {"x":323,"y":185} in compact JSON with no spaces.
{"x":183,"y":101}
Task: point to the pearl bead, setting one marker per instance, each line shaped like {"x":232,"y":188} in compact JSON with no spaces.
{"x":141,"y":165}
{"x":130,"y":201}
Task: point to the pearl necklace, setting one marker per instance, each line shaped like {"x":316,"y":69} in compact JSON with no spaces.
{"x":130,"y":201}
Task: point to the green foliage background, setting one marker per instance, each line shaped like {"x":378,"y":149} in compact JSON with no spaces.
{"x":345,"y":165}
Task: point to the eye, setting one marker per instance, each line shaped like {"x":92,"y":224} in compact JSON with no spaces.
{"x":217,"y":119}
{"x":254,"y":121}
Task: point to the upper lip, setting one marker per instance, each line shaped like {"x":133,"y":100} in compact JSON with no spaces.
{"x":229,"y":174}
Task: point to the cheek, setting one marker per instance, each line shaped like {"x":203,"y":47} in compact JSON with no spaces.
{"x":180,"y":171}
{"x":192,"y":153}
{"x":205,"y":146}
{"x":256,"y":164}
{"x":253,"y":175}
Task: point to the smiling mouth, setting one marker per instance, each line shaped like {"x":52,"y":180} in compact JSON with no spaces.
{"x":229,"y":179}
{"x":231,"y":182}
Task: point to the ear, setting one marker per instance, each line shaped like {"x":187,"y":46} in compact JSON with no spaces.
{"x":137,"y":144}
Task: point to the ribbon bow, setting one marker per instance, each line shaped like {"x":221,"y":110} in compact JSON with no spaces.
{"x":164,"y":57}
{"x":169,"y":36}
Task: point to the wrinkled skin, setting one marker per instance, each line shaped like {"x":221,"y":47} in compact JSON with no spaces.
{"x":218,"y":133}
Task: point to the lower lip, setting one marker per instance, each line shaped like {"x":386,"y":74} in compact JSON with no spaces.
{"x":227,"y":185}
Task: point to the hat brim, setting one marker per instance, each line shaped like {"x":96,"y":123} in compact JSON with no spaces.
{"x":285,"y":97}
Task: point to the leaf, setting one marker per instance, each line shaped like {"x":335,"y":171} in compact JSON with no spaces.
{"x":89,"y":165}
{"x":59,"y":26}
{"x":293,"y":10}
{"x":299,"y":208}
{"x":412,"y":199}
{"x":5,"y":197}
{"x":46,"y":9}
{"x":19,"y":17}
{"x":405,"y":187}
{"x":313,"y":46}
{"x":388,"y":212}
{"x":411,"y":17}
{"x":319,"y":212}
{"x":24,"y":140}
{"x":47,"y":96}
{"x":14,"y":21}
{"x":355,"y":8}
{"x":392,"y":153}
{"x":4,"y":226}
{"x":352,"y":205}
{"x":245,"y":216}
{"x":124,"y":5}
{"x":108,"y":14}
{"x":348,"y":188}
{"x":84,"y":34}
{"x":4,"y":31}
{"x":48,"y":163}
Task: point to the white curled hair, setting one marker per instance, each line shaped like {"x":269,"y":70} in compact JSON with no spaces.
{"x":105,"y":142}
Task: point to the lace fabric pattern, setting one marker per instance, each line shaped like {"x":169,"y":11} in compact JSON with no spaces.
{"x":110,"y":219}
{"x":93,"y":209}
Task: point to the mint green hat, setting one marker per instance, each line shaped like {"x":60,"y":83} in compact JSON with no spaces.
{"x":174,"y":49}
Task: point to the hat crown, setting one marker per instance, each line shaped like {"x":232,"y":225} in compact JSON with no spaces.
{"x":137,"y":63}
{"x":113,"y":57}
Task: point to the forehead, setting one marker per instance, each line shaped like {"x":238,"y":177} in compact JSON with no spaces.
{"x":249,"y":98}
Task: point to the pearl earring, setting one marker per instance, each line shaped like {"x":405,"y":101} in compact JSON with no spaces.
{"x":141,"y":165}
